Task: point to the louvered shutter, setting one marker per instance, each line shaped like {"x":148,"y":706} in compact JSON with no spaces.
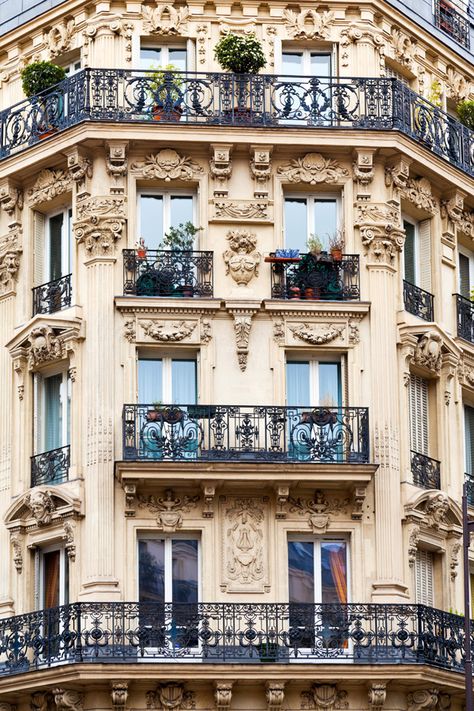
{"x":418,"y":400}
{"x":424,"y":578}
{"x":469,"y":439}
{"x":464,"y":281}
{"x":424,"y":236}
{"x":409,"y":252}
{"x":37,"y":406}
{"x":39,"y":226}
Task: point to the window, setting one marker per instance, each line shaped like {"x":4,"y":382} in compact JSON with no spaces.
{"x":305,"y":63}
{"x":52,"y":402}
{"x":52,"y":240}
{"x":53,"y":577}
{"x":424,"y":569}
{"x":161,"y":210}
{"x":394,"y":74}
{"x":310,"y":215}
{"x":312,"y":382}
{"x":418,"y":404}
{"x":417,"y":253}
{"x":167,"y":380}
{"x":152,"y":57}
{"x":466,"y":272}
{"x":72,"y":67}
{"x":469,"y":439}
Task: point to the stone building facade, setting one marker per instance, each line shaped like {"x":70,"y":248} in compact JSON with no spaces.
{"x":230,"y":478}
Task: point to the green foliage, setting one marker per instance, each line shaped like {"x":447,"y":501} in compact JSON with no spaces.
{"x":465,"y":111}
{"x":40,"y":76}
{"x":180,"y":237}
{"x":314,"y":244}
{"x":435,"y":93}
{"x":165,"y":85}
{"x":241,"y":54}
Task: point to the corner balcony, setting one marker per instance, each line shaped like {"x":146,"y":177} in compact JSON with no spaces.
{"x":252,"y":433}
{"x":53,"y":296}
{"x":465,"y":318}
{"x":315,"y":277}
{"x":418,"y":302}
{"x":426,"y":471}
{"x":224,"y":99}
{"x":231,"y":633}
{"x":50,"y":467}
{"x":171,"y":273}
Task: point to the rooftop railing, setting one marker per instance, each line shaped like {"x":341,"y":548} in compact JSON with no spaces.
{"x":236,"y":633}
{"x":260,"y":100}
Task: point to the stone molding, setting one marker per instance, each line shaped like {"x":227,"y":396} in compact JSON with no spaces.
{"x":48,"y":184}
{"x":164,"y":19}
{"x":313,"y":169}
{"x":100,"y":223}
{"x":381,"y":231}
{"x":167,"y":165}
{"x":308,"y":24}
{"x":169,"y":509}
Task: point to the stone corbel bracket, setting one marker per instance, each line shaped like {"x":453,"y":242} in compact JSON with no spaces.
{"x":11,"y":199}
{"x":452,"y":208}
{"x":100,"y":223}
{"x":116,"y":163}
{"x":381,"y":232}
{"x":242,"y":312}
{"x":261,"y":169}
{"x":363,"y":171}
{"x":220,"y":167}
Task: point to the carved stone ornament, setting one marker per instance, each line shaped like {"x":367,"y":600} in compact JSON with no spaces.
{"x":279,"y":331}
{"x":413,"y":545}
{"x":68,"y":700}
{"x":48,"y":185}
{"x":415,"y":190}
{"x":119,"y":695}
{"x":377,"y":695}
{"x":260,"y":169}
{"x":116,"y":161}
{"x":99,"y":225}
{"x":164,"y":19}
{"x":171,"y":696}
{"x":220,"y":167}
{"x":423,"y":700}
{"x":242,"y":259}
{"x":437,"y":507}
{"x":381,"y":232}
{"x":44,"y":346}
{"x":313,"y":168}
{"x":41,"y":506}
{"x":243,"y":534}
{"x":324,"y":697}
{"x":17,"y":554}
{"x":206,"y":331}
{"x":41,"y":701}
{"x":11,"y":198}
{"x":363,"y":34}
{"x":403,"y":48}
{"x":275,"y":695}
{"x":70,"y":546}
{"x":10,"y":252}
{"x":242,"y":327}
{"x":168,"y":165}
{"x":79,"y":167}
{"x":318,"y":510}
{"x":318,"y":333}
{"x":168,"y":331}
{"x":241,"y":209}
{"x":466,"y":223}
{"x":458,"y":87}
{"x":428,"y":351}
{"x":308,"y":24}
{"x":4,"y":706}
{"x":169,"y":510}
{"x":223,"y":695}
{"x":130,"y":331}
{"x":454,"y":560}
{"x":452,"y":209}
{"x":59,"y":38}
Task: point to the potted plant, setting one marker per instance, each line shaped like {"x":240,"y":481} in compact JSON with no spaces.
{"x":336,"y":245}
{"x":165,"y":87}
{"x":37,"y":80}
{"x":141,"y":248}
{"x":465,"y":110}
{"x":242,"y":55}
{"x":314,"y":244}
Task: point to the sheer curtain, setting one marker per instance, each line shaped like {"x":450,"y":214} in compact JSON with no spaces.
{"x":183,"y":379}
{"x":297,"y":384}
{"x":150,"y":381}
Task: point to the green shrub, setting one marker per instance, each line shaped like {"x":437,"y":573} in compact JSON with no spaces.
{"x":40,"y":76}
{"x":180,"y":237}
{"x":465,"y":111}
{"x":241,"y":54}
{"x":165,"y":84}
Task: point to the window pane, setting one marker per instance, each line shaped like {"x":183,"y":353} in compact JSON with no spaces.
{"x":150,"y":381}
{"x":296,"y":226}
{"x":184,"y":382}
{"x":297,"y":384}
{"x":321,"y":65}
{"x":300,"y":571}
{"x":52,"y":412}
{"x":329,"y":384}
{"x":51,"y":563}
{"x":325,"y":220}
{"x":185,"y":571}
{"x":333,"y":572}
{"x":464,"y":280}
{"x":177,"y":57}
{"x":150,"y":57}
{"x":292,"y":63}
{"x":181,"y":210}
{"x":151,"y":220}
{"x":469,"y":439}
{"x":55,"y":247}
{"x":409,"y":252}
{"x":151,"y":570}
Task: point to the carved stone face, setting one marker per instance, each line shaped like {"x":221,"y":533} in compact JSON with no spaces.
{"x":242,"y":268}
{"x":40,"y":505}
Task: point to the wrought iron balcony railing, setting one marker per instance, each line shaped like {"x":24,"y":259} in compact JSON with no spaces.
{"x":316,"y":278}
{"x":236,"y":633}
{"x":418,"y":301}
{"x":425,"y":471}
{"x":53,"y":296}
{"x":246,"y":432}
{"x":168,"y":273}
{"x":465,"y":318}
{"x":263,"y":100}
{"x":50,"y":467}
{"x":470,"y":488}
{"x":448,"y":19}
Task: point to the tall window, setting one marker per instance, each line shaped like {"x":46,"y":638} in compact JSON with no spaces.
{"x":310,"y":215}
{"x":417,"y":253}
{"x":317,"y":571}
{"x":168,"y":570}
{"x":313,"y":382}
{"x":53,"y":577}
{"x":469,"y":439}
{"x":419,"y":424}
{"x":52,"y":411}
{"x":424,"y":575}
{"x":153,"y":56}
{"x":466,"y":272}
{"x":158,"y":211}
{"x":52,"y":246}
{"x":167,"y":380}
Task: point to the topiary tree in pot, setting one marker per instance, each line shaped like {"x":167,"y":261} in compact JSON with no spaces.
{"x":242,"y":55}
{"x":38,"y":80}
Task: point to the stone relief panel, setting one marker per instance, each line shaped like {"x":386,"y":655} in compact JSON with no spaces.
{"x":313,"y":168}
{"x":238,"y":210}
{"x":10,"y":253}
{"x":48,"y":185}
{"x":164,"y":19}
{"x":242,"y":259}
{"x":59,"y":38}
{"x":324,"y":697}
{"x":244,"y":532}
{"x":308,"y":24}
{"x":381,"y":231}
{"x":168,"y":331}
{"x":167,"y":165}
{"x":169,"y":509}
{"x":317,"y":334}
{"x":319,"y":510}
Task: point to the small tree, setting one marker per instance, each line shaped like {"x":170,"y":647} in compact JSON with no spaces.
{"x":40,"y":76}
{"x":241,"y":54}
{"x":180,"y":237}
{"x":465,"y":111}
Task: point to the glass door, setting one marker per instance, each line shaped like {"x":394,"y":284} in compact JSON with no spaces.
{"x":302,"y":101}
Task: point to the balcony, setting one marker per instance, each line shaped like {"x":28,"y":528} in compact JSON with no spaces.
{"x":50,"y":467}
{"x":316,"y":277}
{"x":53,"y":296}
{"x":418,"y":301}
{"x":469,"y":478}
{"x":245,"y":433}
{"x":223,"y":99}
{"x":425,"y":471}
{"x":175,"y":273}
{"x":465,"y":318}
{"x":233,"y":633}
{"x":448,"y":19}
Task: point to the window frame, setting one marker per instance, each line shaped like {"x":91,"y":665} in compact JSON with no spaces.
{"x":148,"y":42}
{"x":416,"y":248}
{"x":167,"y":194}
{"x":470,"y":257}
{"x":66,"y":238}
{"x":314,"y":377}
{"x":311,"y":199}
{"x":167,"y":373}
{"x":39,"y":404}
{"x":306,"y":53}
{"x":168,"y":559}
{"x":63,"y":574}
{"x":310,"y":538}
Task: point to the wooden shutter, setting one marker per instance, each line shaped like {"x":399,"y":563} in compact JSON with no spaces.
{"x":464,"y":281}
{"x":409,"y":252}
{"x":424,"y":237}
{"x":469,"y":439}
{"x":418,"y":401}
{"x":39,"y":243}
{"x":424,"y":578}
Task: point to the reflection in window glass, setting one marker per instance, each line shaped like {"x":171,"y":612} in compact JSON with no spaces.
{"x":185,"y":570}
{"x":301,"y":571}
{"x":297,"y":384}
{"x":177,"y":57}
{"x":151,"y":220}
{"x":333,"y":572}
{"x":183,"y":378}
{"x":151,"y":570}
{"x":320,"y":65}
{"x":329,"y":384}
{"x":181,"y":209}
{"x":292,"y":63}
{"x":296,"y":227}
{"x":325,"y":220}
{"x":150,"y":57}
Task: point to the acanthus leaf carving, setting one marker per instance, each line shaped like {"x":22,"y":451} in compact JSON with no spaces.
{"x":415,"y":190}
{"x":119,"y":695}
{"x":164,"y":19}
{"x":100,"y":223}
{"x":381,"y":232}
{"x":308,"y":24}
{"x":458,"y":87}
{"x":130,"y":330}
{"x":454,"y":559}
{"x":403,"y":48}
{"x":275,"y":694}
{"x":17,"y":553}
{"x":206,"y":330}
{"x":313,"y":168}
{"x":168,"y":165}
{"x":377,"y":695}
{"x":69,"y":532}
{"x":169,"y":509}
{"x":318,"y":510}
{"x":171,"y":696}
{"x":168,"y":331}
{"x":413,"y":540}
{"x":244,"y":564}
{"x":223,"y":695}
{"x":317,"y":334}
{"x":59,"y":37}
{"x":241,"y":259}
{"x":48,"y":185}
